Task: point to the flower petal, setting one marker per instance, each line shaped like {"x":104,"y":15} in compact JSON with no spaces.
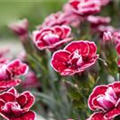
{"x":97,"y":116}
{"x":2,"y":102}
{"x":81,"y":46}
{"x":7,"y":97}
{"x":30,"y":100}
{"x":17,"y":67}
{"x":22,"y":99}
{"x":59,"y":31}
{"x":67,"y":31}
{"x":8,"y":84}
{"x":116,"y":87}
{"x":90,"y":62}
{"x":92,"y":49}
{"x":30,"y":115}
{"x":13,"y":91}
{"x":59,"y":60}
{"x":118,"y":49}
{"x":112,"y":114}
{"x":99,"y":90}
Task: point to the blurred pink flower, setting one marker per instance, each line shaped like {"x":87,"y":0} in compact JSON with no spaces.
{"x":101,"y":29}
{"x":52,"y":37}
{"x":104,"y":2}
{"x":98,"y":20}
{"x":9,"y":71}
{"x":107,"y":36}
{"x":31,"y":81}
{"x":100,"y":24}
{"x":105,"y":100}
{"x":85,"y":7}
{"x":114,"y":35}
{"x":74,"y":58}
{"x":70,"y":17}
{"x":53,"y":20}
{"x":15,"y":106}
{"x":20,"y":28}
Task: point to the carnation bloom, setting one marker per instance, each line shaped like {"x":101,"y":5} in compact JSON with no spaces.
{"x":53,"y":20}
{"x":52,"y":37}
{"x":20,"y":28}
{"x":74,"y":58}
{"x":9,"y":71}
{"x":85,"y":7}
{"x":105,"y":100}
{"x":15,"y":106}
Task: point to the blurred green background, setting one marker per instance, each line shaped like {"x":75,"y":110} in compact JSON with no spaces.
{"x":34,"y":10}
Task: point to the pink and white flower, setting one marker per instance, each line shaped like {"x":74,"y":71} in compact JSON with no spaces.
{"x":53,"y":20}
{"x":105,"y":100}
{"x":85,"y":7}
{"x":9,"y":71}
{"x":70,"y":17}
{"x":74,"y":58}
{"x":20,"y":28}
{"x":15,"y":106}
{"x":51,"y":37}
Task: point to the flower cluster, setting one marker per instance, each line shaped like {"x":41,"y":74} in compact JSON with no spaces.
{"x":14,"y":106}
